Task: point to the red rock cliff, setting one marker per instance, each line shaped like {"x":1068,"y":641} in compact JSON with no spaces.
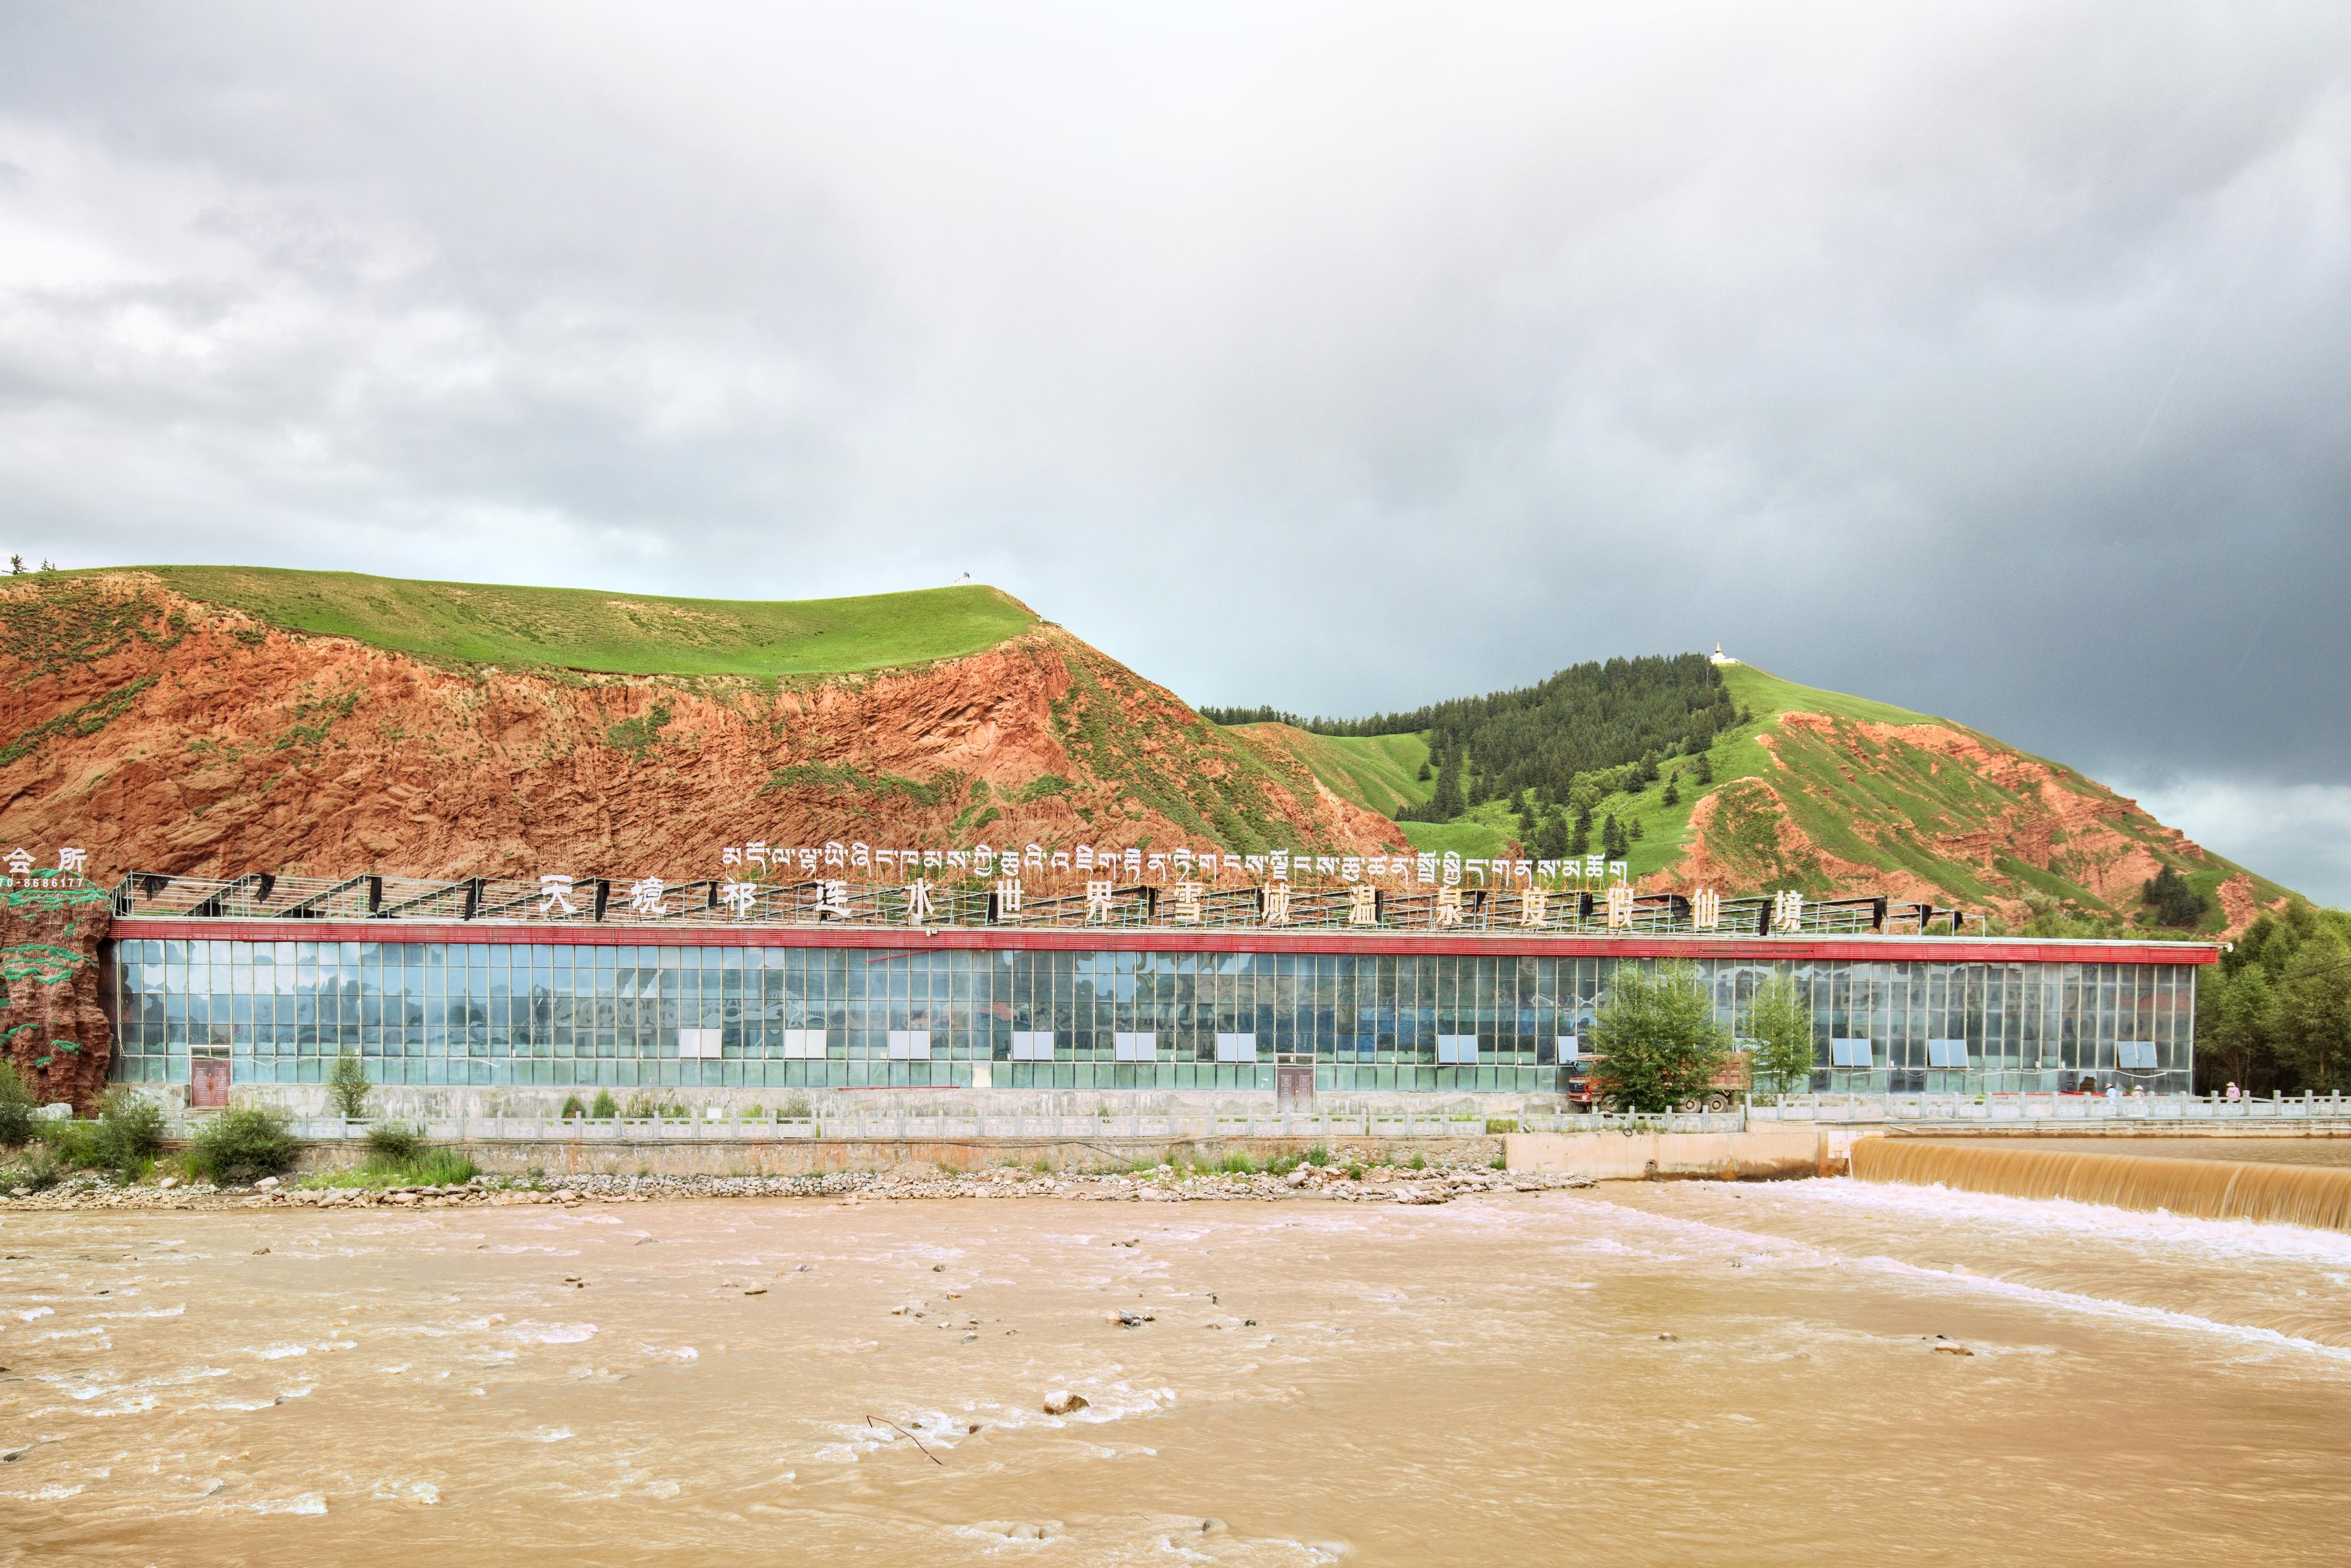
{"x":162,"y":734}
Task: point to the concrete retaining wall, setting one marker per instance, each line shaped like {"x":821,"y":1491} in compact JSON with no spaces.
{"x":820,"y":1157}
{"x":1723,"y":1157}
{"x":417,"y":1103}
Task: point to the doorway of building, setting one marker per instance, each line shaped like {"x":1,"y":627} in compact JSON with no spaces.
{"x":1293,"y":1082}
{"x":208,"y":1080}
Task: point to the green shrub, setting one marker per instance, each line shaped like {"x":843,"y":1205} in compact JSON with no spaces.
{"x":1419,"y":1161}
{"x":73,"y":1144}
{"x":1281,"y":1164}
{"x":796,"y":1109}
{"x":1237,"y":1164}
{"x":606,"y":1107}
{"x":572,"y":1108}
{"x":348,"y":1087}
{"x":37,"y":1170}
{"x":127,"y":1135}
{"x":391,"y":1143}
{"x":244,"y":1143}
{"x":15,"y":1108}
{"x":1500,"y":1124}
{"x":1317,"y":1155}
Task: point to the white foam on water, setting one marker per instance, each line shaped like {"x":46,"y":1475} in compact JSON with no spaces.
{"x":530,"y":1332}
{"x":67,"y":1333}
{"x":682,"y":1352}
{"x":1774,"y":1249}
{"x":305,"y":1504}
{"x":275,"y":1352}
{"x":2101,"y":1306}
{"x":156,"y":1312}
{"x":422,"y":1493}
{"x":28,"y":1313}
{"x":548,"y":1435}
{"x":2231,"y":1238}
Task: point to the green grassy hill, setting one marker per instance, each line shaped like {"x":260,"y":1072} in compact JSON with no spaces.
{"x":1892,"y":806}
{"x":1377,"y":771}
{"x":617,"y":633}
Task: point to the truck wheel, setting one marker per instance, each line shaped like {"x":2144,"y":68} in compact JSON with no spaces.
{"x":1717,"y":1102}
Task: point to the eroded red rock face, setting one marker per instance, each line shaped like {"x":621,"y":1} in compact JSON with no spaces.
{"x":56,"y":1032}
{"x":163,"y":735}
{"x":1751,"y":835}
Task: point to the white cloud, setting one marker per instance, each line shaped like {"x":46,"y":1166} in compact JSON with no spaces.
{"x":1981,"y":357}
{"x":2296,"y":834}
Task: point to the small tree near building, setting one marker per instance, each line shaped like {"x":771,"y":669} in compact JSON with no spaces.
{"x":348,"y":1087}
{"x":1657,"y":1037}
{"x":1780,"y":1025}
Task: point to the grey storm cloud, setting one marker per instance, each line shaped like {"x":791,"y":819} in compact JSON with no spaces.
{"x":1986,"y":359}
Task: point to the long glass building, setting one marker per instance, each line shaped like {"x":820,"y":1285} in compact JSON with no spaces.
{"x":843,"y":1006}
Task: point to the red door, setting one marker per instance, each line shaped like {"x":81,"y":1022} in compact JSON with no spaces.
{"x":207,"y":1082}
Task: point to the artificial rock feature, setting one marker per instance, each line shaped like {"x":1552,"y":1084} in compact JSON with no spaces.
{"x":56,"y":1032}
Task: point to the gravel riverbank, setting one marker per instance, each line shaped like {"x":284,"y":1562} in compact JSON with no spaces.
{"x":1165,"y":1184}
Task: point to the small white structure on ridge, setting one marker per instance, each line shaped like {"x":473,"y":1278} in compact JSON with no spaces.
{"x":1720,"y":658}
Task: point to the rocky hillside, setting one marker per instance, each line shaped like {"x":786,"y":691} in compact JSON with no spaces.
{"x":214,"y":721}
{"x":1829,"y":792}
{"x":1835,"y":794}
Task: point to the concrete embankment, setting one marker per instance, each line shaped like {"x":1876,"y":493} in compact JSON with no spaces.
{"x":1721,"y":1156}
{"x":756,"y":1157}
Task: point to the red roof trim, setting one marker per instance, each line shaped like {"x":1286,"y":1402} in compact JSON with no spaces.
{"x":1864,"y":949}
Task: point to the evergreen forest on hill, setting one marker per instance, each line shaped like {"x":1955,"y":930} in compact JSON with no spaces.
{"x":1537,"y":739}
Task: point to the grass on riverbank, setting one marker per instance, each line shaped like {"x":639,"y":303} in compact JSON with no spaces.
{"x":398,"y":1156}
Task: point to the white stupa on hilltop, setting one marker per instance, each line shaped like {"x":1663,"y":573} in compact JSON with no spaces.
{"x":1720,"y":658}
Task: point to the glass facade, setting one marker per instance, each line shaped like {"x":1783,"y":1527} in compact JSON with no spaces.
{"x":720,"y":1015}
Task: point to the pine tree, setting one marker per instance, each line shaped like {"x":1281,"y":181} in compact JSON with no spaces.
{"x":1613,"y":843}
{"x":1578,"y":842}
{"x":1702,"y":771}
{"x":1673,"y":791}
{"x":1633,"y":829}
{"x":2175,"y":902}
{"x":1550,"y":839}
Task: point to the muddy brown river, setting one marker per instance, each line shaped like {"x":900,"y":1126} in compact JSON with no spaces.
{"x":1634,"y":1373}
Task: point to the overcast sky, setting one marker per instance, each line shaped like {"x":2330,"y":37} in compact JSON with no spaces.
{"x":1990,"y":358}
